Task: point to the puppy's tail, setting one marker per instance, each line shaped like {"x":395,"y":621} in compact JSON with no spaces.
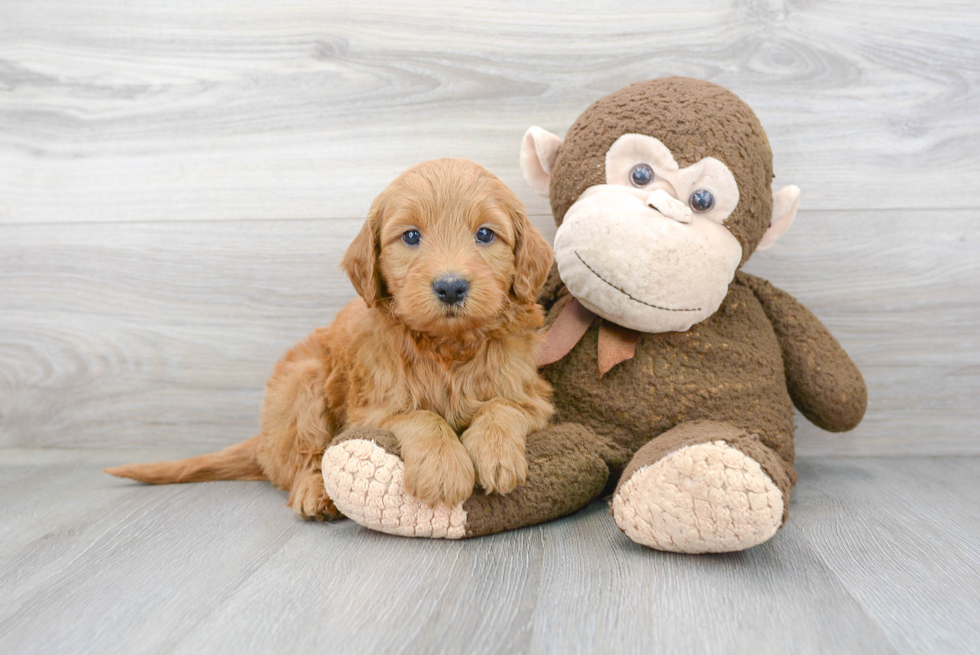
{"x":238,"y":462}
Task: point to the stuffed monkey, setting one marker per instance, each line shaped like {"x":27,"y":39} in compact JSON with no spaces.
{"x":674,"y":372}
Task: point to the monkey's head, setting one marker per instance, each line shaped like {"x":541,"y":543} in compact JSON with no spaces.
{"x":661,"y":191}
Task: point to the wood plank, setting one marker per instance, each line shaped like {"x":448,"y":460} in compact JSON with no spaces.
{"x":602,"y":592}
{"x":162,"y":334}
{"x":903,"y":537}
{"x":208,"y":110}
{"x":880,"y":555}
{"x":135,"y":576}
{"x":364,"y":592}
{"x":40,"y":481}
{"x":146,"y":568}
{"x":155,"y":334}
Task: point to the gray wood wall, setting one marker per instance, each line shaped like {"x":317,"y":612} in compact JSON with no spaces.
{"x":178,"y":181}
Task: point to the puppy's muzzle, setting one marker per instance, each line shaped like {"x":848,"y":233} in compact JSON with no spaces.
{"x":451,"y":289}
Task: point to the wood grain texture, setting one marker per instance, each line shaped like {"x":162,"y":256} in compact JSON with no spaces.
{"x":879,"y":556}
{"x":152,"y":334}
{"x":912,"y":522}
{"x":149,"y":152}
{"x":198,"y":110}
{"x":782,"y":596}
{"x":106,"y":577}
{"x":179,"y":180}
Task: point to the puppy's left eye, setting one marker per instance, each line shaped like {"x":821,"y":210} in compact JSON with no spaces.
{"x":412,"y":237}
{"x":485,"y":235}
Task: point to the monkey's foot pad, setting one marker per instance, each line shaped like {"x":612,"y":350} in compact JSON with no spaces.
{"x":705,"y":498}
{"x":367,"y":484}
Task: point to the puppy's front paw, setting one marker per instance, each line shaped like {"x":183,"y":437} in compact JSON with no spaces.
{"x":309,"y":499}
{"x":498,"y":456}
{"x":440,"y":474}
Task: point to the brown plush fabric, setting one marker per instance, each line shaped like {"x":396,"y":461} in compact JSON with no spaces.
{"x":698,"y":432}
{"x":383,"y":438}
{"x":695,"y":119}
{"x":823,"y":381}
{"x":728,"y":368}
{"x":565,"y":471}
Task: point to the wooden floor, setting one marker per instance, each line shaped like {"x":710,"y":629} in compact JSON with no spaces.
{"x":179,"y":180}
{"x":881,"y":555}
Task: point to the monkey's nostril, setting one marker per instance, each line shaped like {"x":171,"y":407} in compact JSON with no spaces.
{"x":451,"y":289}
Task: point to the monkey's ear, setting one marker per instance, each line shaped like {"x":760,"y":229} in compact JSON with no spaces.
{"x":539,"y":150}
{"x":360,"y":262}
{"x":785,"y":202}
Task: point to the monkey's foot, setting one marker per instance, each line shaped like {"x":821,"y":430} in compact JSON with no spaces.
{"x":709,"y":497}
{"x":365,"y":477}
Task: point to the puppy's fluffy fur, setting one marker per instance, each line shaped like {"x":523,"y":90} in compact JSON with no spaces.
{"x":455,"y":382}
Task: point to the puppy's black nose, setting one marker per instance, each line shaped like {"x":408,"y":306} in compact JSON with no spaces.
{"x":451,"y":290}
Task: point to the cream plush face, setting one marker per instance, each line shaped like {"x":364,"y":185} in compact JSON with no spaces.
{"x":647,"y":250}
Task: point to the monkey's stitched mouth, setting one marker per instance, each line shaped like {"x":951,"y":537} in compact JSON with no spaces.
{"x":628,"y":294}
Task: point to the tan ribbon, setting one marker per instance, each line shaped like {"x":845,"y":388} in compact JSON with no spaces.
{"x":565,"y":332}
{"x":616,"y":343}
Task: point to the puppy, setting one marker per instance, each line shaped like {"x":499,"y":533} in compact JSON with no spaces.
{"x":440,"y":349}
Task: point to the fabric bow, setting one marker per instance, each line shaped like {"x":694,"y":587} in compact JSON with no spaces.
{"x":616,"y":343}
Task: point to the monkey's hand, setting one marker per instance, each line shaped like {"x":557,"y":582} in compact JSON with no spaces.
{"x":823,"y":382}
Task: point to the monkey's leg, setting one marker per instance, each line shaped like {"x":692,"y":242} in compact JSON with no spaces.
{"x":364,"y":475}
{"x":703,"y":487}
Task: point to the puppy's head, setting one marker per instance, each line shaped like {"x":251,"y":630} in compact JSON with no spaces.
{"x":447,"y":247}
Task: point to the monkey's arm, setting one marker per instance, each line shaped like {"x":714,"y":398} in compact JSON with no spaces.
{"x":823,"y":382}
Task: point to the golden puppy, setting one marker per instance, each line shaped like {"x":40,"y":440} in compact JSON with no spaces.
{"x":440,"y":349}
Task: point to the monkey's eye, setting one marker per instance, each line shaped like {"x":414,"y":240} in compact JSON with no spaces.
{"x":641,"y":175}
{"x":412,"y":237}
{"x":702,"y":200}
{"x":485,"y":235}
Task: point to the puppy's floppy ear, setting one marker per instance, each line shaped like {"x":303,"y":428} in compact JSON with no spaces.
{"x":532,"y":254}
{"x":361,"y":259}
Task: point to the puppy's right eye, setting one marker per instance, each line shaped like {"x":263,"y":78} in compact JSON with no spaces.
{"x":412,"y":237}
{"x":485,"y":235}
